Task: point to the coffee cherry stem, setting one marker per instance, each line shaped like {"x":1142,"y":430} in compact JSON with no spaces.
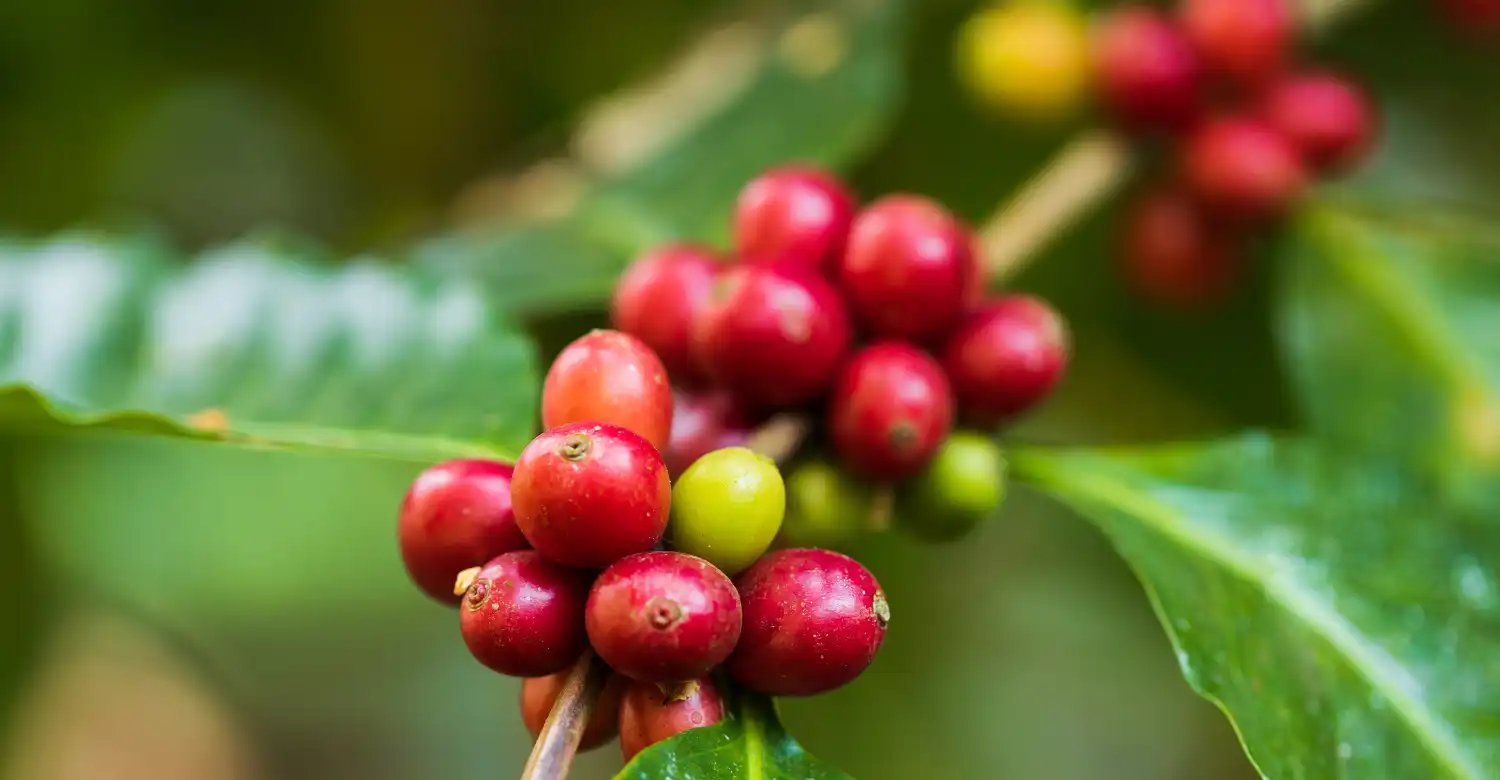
{"x":552,"y":755}
{"x":780,"y":437}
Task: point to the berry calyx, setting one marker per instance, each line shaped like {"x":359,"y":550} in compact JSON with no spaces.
{"x":793,"y":215}
{"x":826,"y":506}
{"x":456,"y":514}
{"x":522,"y":615}
{"x":1247,"y":41}
{"x":609,"y":377}
{"x":650,"y":713}
{"x":657,"y":299}
{"x":1173,"y":253}
{"x":727,"y":508}
{"x":964,"y":484}
{"x":588,"y":494}
{"x":772,"y":336}
{"x":663,"y":616}
{"x":702,"y":423}
{"x":1148,"y":74}
{"x":1029,"y":59}
{"x":1005,"y":357}
{"x":814,"y":620}
{"x":889,"y":410}
{"x":910,"y":268}
{"x":1326,"y":118}
{"x":1242,"y":169}
{"x":538,"y":694}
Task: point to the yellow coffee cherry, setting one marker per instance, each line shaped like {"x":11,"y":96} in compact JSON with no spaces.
{"x":1027,"y":58}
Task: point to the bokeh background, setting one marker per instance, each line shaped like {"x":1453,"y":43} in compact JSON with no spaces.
{"x":177,"y":611}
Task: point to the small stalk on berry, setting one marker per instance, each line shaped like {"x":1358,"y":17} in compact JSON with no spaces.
{"x":552,"y":755}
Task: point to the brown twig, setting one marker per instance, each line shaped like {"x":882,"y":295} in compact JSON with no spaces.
{"x":552,"y":755}
{"x":780,"y":437}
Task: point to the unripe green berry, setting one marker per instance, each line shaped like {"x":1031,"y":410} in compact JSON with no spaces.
{"x":964,"y":484}
{"x":727,"y":508}
{"x":826,"y":506}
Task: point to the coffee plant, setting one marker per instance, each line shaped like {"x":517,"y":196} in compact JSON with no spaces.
{"x":658,"y":523}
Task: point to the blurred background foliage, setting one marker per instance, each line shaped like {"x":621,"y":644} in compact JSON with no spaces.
{"x":175,"y":610}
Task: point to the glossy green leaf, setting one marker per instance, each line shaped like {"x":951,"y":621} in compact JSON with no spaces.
{"x":258,"y":344}
{"x":750,"y":744}
{"x":807,"y":81}
{"x":1391,"y":324}
{"x":1347,"y":621}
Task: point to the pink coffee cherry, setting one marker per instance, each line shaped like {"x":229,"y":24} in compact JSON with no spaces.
{"x":1244,"y":41}
{"x":795,"y":215}
{"x":663,"y":616}
{"x":1242,"y":169}
{"x":651,"y":713}
{"x":1173,"y":253}
{"x":890,"y":410}
{"x":610,"y":377}
{"x":657,"y":299}
{"x":522,"y":615}
{"x":1325,"y":116}
{"x":702,"y":423}
{"x":1148,"y":74}
{"x":456,"y":515}
{"x":1005,"y":357}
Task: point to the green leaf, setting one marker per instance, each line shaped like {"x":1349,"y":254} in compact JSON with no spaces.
{"x":1347,"y":622}
{"x":257,"y":343}
{"x":810,"y":81}
{"x":1391,"y":323}
{"x":749,"y":744}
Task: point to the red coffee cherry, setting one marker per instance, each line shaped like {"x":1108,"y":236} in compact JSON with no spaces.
{"x":772,"y":336}
{"x":657,"y":299}
{"x":1479,"y":18}
{"x":588,"y":494}
{"x":813,"y":621}
{"x":795,"y":215}
{"x":1148,"y":74}
{"x":456,"y":515}
{"x":538,"y":694}
{"x":651,"y":713}
{"x":609,"y":377}
{"x":663,"y":616}
{"x":1326,"y":118}
{"x":890,"y":410}
{"x":1246,"y":41}
{"x":522,"y":615}
{"x":910,"y":268}
{"x":1174,"y":254}
{"x":702,"y":423}
{"x":1242,"y":169}
{"x":1005,"y":357}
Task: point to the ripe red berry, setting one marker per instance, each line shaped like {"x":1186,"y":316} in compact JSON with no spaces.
{"x":663,"y":616}
{"x":1006,"y":356}
{"x":456,"y":515}
{"x":657,"y":299}
{"x":1148,"y":74}
{"x":910,"y":268}
{"x":1326,"y":118}
{"x":795,"y":215}
{"x":1246,"y":41}
{"x":702,"y":423}
{"x":538,"y":694}
{"x":588,"y":494}
{"x":1242,"y":169}
{"x":1173,"y":253}
{"x":522,"y":615}
{"x":890,"y":410}
{"x":651,"y":713}
{"x":813,"y":621}
{"x":772,"y":336}
{"x":609,"y":377}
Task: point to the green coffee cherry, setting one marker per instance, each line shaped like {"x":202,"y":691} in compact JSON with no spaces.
{"x":727,"y":508}
{"x":964,"y":484}
{"x":826,"y":506}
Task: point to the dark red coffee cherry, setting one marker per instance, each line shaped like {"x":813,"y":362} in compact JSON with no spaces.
{"x":651,"y":713}
{"x":657,"y":299}
{"x":889,"y":410}
{"x":522,"y":615}
{"x":663,"y":616}
{"x":1326,"y":118}
{"x":1005,"y":357}
{"x":1246,"y":41}
{"x":1477,"y":18}
{"x":813,"y":621}
{"x":1242,"y":169}
{"x":1171,"y":252}
{"x":456,"y":515}
{"x":609,"y":377}
{"x":538,"y":694}
{"x":588,"y":494}
{"x":910,"y":268}
{"x":1148,"y":74}
{"x":795,"y":215}
{"x":772,"y":336}
{"x":702,"y":423}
